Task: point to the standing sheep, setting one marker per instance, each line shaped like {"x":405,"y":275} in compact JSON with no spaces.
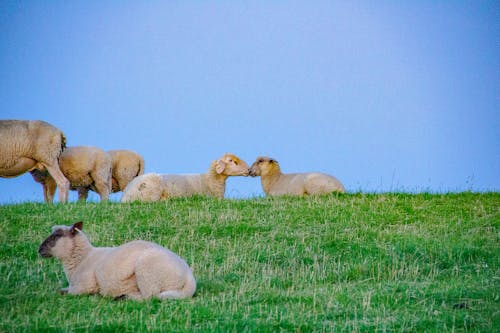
{"x":276,"y":183}
{"x":86,"y":167}
{"x":26,"y":145}
{"x":154,"y":187}
{"x":136,"y":270}
{"x":127,"y":165}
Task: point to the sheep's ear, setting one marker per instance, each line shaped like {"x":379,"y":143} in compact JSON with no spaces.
{"x":220,"y":165}
{"x":78,"y":226}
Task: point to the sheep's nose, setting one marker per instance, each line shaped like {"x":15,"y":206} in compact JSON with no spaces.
{"x":43,"y":252}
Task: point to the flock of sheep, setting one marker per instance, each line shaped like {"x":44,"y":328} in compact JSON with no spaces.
{"x":138,"y":269}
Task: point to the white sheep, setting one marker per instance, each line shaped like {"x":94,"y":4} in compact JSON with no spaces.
{"x":276,"y":183}
{"x":86,"y":168}
{"x":136,"y":270}
{"x":154,"y":187}
{"x":26,"y":145}
{"x":127,"y":165}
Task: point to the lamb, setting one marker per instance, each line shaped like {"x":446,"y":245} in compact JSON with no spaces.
{"x":27,"y":145}
{"x":86,"y":168}
{"x":276,"y":183}
{"x":137,"y":270}
{"x":127,"y":165}
{"x":154,"y":187}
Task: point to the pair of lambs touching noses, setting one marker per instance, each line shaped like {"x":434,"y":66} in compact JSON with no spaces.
{"x":40,"y":148}
{"x":154,"y":187}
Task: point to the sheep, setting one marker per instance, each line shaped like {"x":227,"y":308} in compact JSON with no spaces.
{"x":154,"y":187}
{"x":26,"y":145}
{"x":86,"y":168}
{"x":136,"y":270}
{"x":276,"y":183}
{"x":127,"y":165}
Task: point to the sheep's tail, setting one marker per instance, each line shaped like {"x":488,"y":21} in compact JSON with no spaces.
{"x":186,"y":291}
{"x":141,"y":167}
{"x":63,"y":141}
{"x":63,"y":145}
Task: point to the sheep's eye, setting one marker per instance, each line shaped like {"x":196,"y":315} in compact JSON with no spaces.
{"x":260,"y":161}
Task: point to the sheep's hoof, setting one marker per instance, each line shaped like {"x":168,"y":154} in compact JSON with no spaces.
{"x":120,"y":298}
{"x":63,"y":291}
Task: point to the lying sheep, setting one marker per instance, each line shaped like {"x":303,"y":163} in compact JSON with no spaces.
{"x":136,"y":270}
{"x":276,"y":183}
{"x":126,"y":166}
{"x":154,"y":187}
{"x":26,"y":145}
{"x":86,"y":167}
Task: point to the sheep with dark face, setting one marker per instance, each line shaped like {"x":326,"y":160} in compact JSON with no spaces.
{"x":137,"y":270}
{"x":274,"y":182}
{"x":27,"y":145}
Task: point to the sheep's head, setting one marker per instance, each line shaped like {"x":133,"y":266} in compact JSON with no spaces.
{"x":60,"y":242}
{"x":231,"y":165}
{"x":40,"y":175}
{"x":264,"y":166}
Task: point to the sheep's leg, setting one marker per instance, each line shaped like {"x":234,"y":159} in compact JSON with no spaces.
{"x":115,"y":185}
{"x":148,"y":275}
{"x":83,"y":193}
{"x":152,"y":276}
{"x":76,"y":290}
{"x":48,"y":184}
{"x":102,"y":186}
{"x":103,"y":192}
{"x":46,"y":193}
{"x":84,"y":284}
{"x":171,"y":294}
{"x":60,"y":180}
{"x":136,"y":296}
{"x":49,"y":189}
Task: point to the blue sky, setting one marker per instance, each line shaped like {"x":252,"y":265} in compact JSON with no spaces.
{"x":384,"y":95}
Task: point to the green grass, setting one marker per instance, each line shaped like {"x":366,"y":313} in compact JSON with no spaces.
{"x":356,"y":262}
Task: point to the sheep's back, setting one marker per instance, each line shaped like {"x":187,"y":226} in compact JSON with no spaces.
{"x":147,"y":187}
{"x":29,"y":138}
{"x":321,"y":183}
{"x":78,"y":163}
{"x":182,"y":185}
{"x":289,"y":183}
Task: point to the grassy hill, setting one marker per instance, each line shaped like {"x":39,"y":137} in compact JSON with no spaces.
{"x":356,"y":262}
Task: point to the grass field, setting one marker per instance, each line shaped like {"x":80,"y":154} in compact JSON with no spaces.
{"x":346,"y":263}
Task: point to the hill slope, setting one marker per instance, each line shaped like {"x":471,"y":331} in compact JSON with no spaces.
{"x":352,"y":262}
